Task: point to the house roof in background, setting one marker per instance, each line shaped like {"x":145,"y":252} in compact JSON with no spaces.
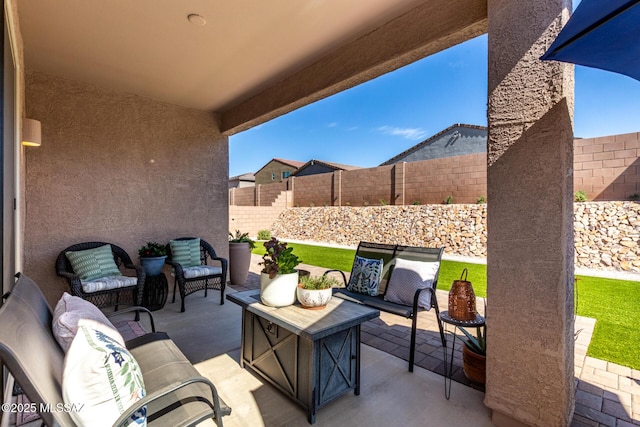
{"x":293,"y":163}
{"x":431,"y":140}
{"x":331,"y":165}
{"x":250,"y":176}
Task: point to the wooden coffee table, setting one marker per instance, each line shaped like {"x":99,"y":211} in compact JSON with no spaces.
{"x":312,"y":356}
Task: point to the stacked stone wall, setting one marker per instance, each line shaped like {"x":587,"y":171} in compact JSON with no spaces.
{"x":606,"y":233}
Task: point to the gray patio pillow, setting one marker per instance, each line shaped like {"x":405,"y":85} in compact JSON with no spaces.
{"x":409,"y":276}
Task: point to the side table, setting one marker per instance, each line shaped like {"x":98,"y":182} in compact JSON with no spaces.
{"x":477,"y":323}
{"x":156,"y":290}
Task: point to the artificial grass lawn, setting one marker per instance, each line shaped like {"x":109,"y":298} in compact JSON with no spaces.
{"x":615,"y":304}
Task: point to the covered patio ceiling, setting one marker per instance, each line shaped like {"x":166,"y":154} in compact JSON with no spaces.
{"x":230,"y":56}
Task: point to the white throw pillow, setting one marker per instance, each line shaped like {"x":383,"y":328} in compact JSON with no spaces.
{"x":69,"y":310}
{"x":409,"y":276}
{"x":101,"y":379}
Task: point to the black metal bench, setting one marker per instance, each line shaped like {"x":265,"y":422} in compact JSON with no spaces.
{"x":389,"y":253}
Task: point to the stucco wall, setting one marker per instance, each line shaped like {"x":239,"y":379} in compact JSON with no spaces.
{"x":119,"y":168}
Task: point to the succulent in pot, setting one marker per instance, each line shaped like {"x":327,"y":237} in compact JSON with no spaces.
{"x":474,"y":354}
{"x":314,"y":292}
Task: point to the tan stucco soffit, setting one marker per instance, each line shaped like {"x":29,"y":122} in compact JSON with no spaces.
{"x":429,"y":28}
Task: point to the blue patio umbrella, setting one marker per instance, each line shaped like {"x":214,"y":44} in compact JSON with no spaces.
{"x":602,"y":34}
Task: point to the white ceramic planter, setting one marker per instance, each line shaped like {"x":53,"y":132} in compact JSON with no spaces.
{"x":314,"y":298}
{"x":279,"y":291}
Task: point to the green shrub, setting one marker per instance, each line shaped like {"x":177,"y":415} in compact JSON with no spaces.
{"x":383,"y":202}
{"x":634,"y":197}
{"x":448,"y":200}
{"x":481,"y":200}
{"x":264,"y":235}
{"x":580,"y":196}
{"x":241,"y":238}
{"x":416,"y":202}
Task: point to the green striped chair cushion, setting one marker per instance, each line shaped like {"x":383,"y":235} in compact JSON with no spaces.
{"x":93,"y":263}
{"x":186,"y":252}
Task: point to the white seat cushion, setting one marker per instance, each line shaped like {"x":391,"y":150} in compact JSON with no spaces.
{"x":201,"y":271}
{"x":106,"y":283}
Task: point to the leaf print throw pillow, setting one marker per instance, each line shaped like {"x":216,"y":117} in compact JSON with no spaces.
{"x":101,"y":379}
{"x":365,"y":276}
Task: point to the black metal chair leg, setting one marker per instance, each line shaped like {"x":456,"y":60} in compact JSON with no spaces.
{"x":412,"y":348}
{"x":435,"y":306}
{"x":175,"y":284}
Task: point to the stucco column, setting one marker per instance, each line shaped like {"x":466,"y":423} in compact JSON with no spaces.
{"x":530,"y":218}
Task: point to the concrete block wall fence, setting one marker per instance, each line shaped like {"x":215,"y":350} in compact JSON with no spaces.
{"x":605,"y":168}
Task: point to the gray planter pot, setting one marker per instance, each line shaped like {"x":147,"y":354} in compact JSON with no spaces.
{"x":239,"y":261}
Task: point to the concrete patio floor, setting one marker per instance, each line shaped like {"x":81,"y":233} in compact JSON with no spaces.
{"x":606,"y":394}
{"x":209,"y":335}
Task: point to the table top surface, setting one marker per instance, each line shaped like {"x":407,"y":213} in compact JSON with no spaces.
{"x":477,"y":322}
{"x":312,"y":324}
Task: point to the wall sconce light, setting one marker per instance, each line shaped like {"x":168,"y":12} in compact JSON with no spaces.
{"x":31,"y":133}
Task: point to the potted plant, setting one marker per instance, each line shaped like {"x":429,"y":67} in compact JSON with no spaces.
{"x":314,"y":292}
{"x":474,"y":355}
{"x":279,"y":277}
{"x":152,"y":256}
{"x":240,"y":246}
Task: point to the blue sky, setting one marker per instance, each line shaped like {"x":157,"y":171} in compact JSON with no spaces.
{"x":372,"y":122}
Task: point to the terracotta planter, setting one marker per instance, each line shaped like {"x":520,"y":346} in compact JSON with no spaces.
{"x":239,"y":261}
{"x":474,"y":365}
{"x":279,"y":291}
{"x":313,"y":299}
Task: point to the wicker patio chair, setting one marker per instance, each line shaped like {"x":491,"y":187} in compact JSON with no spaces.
{"x":110,"y":296}
{"x":190,"y":279}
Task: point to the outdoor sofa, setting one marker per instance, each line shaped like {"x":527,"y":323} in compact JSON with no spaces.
{"x":174,"y":392}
